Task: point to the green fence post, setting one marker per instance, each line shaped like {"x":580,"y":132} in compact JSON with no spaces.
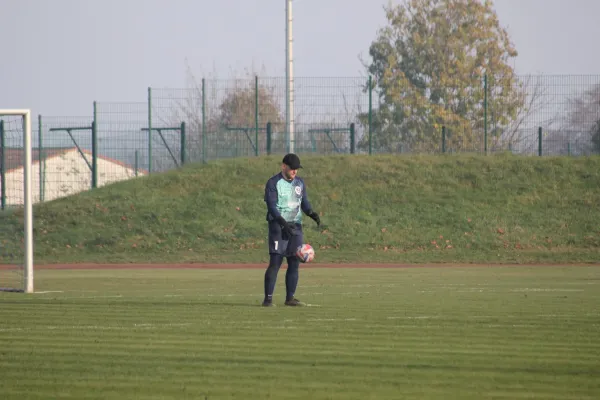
{"x":569,"y":148}
{"x":203,"y":120}
{"x":485,"y":109}
{"x":41,"y":159}
{"x":256,"y":115}
{"x":540,"y":141}
{"x":269,"y":133}
{"x":149,"y":131}
{"x":94,"y":150}
{"x":443,"y":139}
{"x":370,"y":114}
{"x":2,"y":167}
{"x":182,"y":131}
{"x":352,"y":138}
{"x":94,"y":156}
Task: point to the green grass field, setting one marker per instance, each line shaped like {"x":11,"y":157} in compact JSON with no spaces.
{"x":412,"y":333}
{"x":429,"y":332}
{"x":417,"y":209}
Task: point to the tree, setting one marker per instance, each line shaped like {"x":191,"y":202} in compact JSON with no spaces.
{"x":428,"y":67}
{"x":237,"y":109}
{"x":517,"y":135}
{"x":581,"y":126}
{"x":229,"y":109}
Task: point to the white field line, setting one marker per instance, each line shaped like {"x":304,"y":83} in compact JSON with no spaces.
{"x":241,"y":323}
{"x":364,"y":285}
{"x":250,"y":323}
{"x":545,"y":290}
{"x":202,"y":295}
{"x":49,"y":291}
{"x":329,"y":294}
{"x":456,"y":288}
{"x":118,"y":296}
{"x":95,"y":327}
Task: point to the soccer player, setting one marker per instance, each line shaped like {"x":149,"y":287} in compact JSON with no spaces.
{"x":286,"y":198}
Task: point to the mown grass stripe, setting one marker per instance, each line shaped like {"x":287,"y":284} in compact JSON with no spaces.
{"x":372,"y":345}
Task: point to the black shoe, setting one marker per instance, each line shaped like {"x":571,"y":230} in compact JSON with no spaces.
{"x":267,"y":303}
{"x":294,"y":302}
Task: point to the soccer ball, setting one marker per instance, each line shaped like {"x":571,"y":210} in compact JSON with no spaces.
{"x":305,"y":253}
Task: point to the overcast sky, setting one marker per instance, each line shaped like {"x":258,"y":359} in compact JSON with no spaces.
{"x":58,"y":56}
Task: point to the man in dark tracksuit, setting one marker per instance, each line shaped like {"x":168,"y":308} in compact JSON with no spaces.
{"x":286,"y":198}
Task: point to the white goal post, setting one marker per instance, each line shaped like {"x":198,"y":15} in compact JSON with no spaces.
{"x":27,"y":267}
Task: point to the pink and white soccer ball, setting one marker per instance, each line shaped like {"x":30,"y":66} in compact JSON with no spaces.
{"x":305,"y":253}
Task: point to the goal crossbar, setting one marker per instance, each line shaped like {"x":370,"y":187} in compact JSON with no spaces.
{"x":27,"y":203}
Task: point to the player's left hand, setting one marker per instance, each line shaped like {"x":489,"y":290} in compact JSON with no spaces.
{"x":315,"y":217}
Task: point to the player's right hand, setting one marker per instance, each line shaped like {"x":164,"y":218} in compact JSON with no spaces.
{"x":285,"y":227}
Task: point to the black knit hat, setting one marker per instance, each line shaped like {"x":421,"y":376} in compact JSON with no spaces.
{"x":292,"y":161}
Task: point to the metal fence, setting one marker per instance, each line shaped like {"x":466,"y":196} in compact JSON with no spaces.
{"x":213,"y":119}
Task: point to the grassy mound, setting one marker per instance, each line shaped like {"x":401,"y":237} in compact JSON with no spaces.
{"x":380,"y":208}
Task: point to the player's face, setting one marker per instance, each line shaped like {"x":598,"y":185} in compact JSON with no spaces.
{"x":289,"y":173}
